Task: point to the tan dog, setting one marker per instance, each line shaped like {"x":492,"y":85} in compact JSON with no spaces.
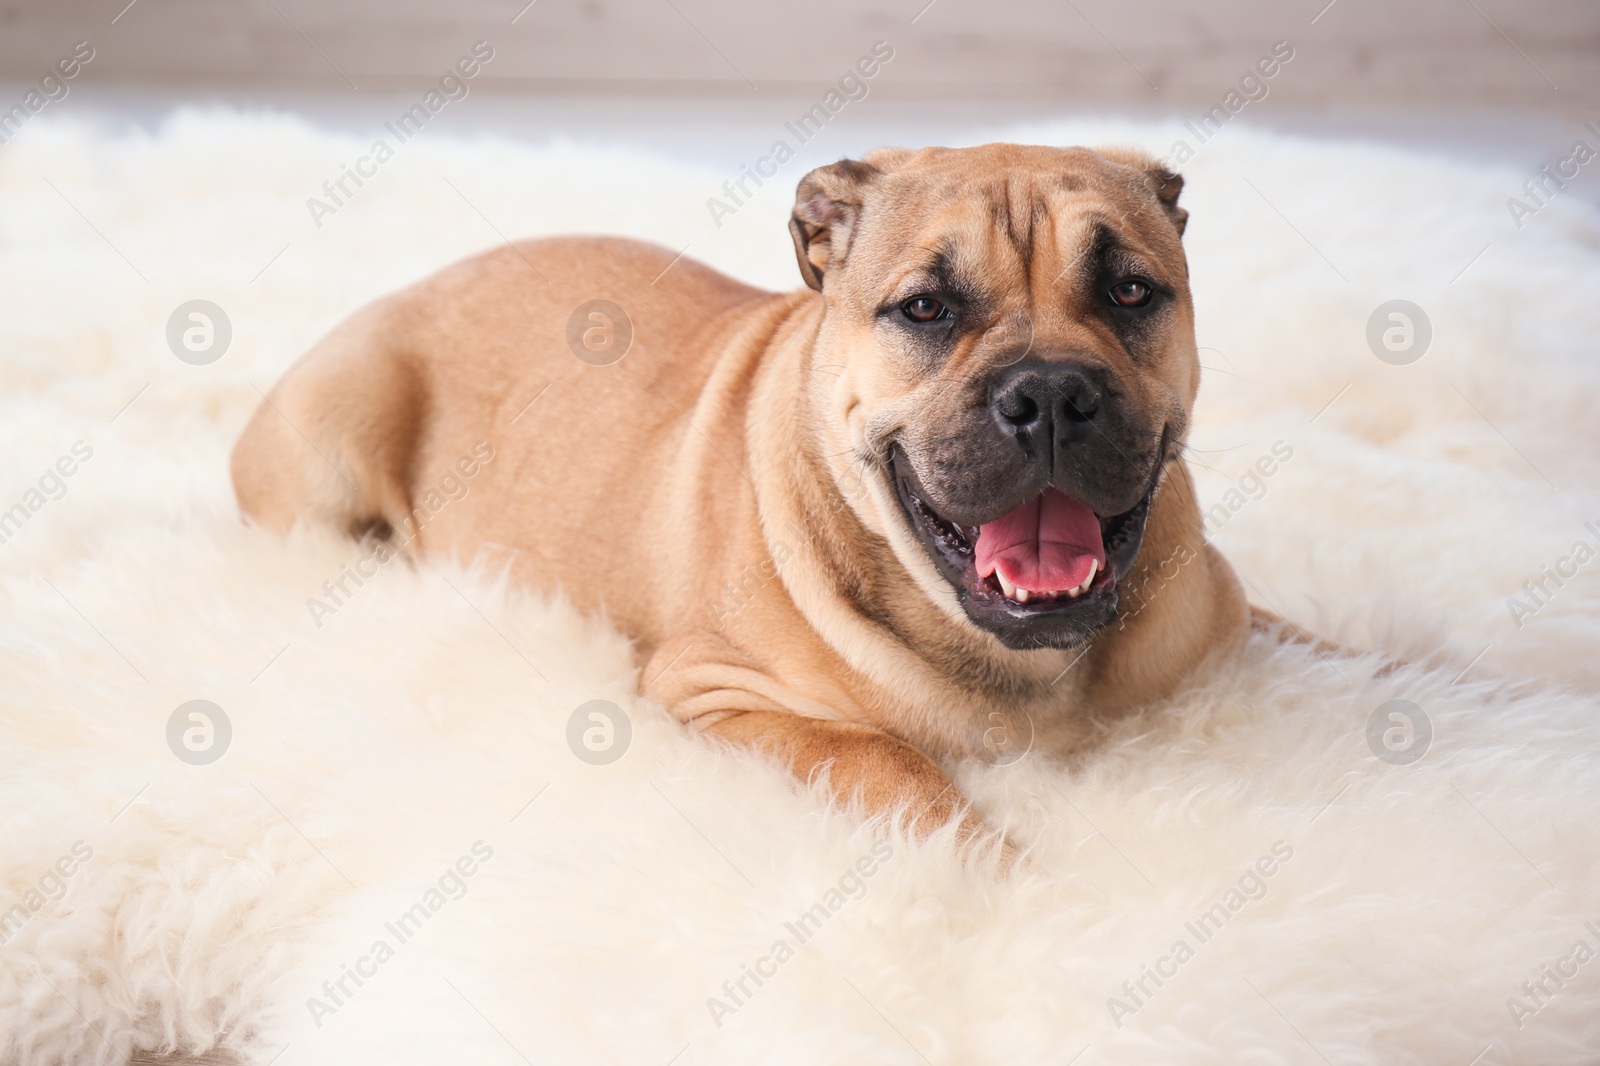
{"x":934,"y":509}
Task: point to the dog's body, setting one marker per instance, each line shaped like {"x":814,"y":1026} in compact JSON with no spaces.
{"x":789,"y":500}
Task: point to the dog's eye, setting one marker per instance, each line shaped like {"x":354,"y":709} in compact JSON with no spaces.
{"x":924,"y":309}
{"x":1131,"y":293}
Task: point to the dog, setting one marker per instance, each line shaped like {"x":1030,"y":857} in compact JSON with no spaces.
{"x":932,"y":506}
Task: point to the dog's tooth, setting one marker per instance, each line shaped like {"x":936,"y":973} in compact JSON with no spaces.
{"x":1094,"y":568}
{"x":1005,"y":586}
{"x":1021,"y":596}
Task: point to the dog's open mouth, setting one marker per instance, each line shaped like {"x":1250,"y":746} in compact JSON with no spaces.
{"x":1044,"y":573}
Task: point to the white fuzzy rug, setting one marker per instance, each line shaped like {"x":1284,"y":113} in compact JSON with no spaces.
{"x":426,"y":722}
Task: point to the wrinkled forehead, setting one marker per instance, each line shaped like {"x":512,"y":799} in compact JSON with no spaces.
{"x":969,"y":230}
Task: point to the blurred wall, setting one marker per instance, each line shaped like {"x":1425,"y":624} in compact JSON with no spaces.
{"x":1544,"y":53}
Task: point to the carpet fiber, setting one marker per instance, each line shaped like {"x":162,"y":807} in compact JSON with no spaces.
{"x":396,"y":798}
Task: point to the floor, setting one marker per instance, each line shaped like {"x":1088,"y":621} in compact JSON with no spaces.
{"x":722,"y":131}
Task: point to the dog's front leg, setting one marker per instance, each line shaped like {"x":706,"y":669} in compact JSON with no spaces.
{"x":885,"y":774}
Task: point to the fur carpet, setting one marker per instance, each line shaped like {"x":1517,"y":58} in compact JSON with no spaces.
{"x":1234,"y":877}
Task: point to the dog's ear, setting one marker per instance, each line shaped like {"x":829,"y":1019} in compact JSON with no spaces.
{"x":1168,"y":186}
{"x":827,"y":205}
{"x":1164,"y":184}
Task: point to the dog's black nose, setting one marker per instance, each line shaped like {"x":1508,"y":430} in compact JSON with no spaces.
{"x":1059,"y":400}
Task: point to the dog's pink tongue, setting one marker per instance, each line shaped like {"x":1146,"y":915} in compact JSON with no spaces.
{"x":1045,"y":545}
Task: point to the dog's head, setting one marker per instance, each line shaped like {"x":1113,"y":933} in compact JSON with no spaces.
{"x":1007,"y":351}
